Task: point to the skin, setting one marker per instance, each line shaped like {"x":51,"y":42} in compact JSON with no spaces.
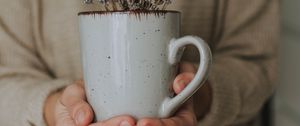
{"x":69,"y":107}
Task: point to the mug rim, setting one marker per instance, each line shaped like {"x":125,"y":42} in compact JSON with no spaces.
{"x":129,"y":12}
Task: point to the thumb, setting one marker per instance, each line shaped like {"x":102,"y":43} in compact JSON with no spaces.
{"x":81,"y":113}
{"x":74,"y":109}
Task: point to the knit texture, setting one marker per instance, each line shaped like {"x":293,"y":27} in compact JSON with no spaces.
{"x":40,"y":54}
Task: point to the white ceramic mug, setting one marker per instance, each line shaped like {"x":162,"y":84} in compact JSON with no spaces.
{"x":130,"y":62}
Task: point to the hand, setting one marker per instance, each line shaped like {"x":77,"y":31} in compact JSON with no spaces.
{"x":186,"y":115}
{"x":69,"y":108}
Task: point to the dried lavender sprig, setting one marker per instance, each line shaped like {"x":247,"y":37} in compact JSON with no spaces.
{"x":88,"y":1}
{"x":111,"y":5}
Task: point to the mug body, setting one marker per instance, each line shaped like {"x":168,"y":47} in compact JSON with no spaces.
{"x":125,"y":61}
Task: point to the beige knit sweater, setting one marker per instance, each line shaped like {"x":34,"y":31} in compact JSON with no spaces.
{"x":39,"y":53}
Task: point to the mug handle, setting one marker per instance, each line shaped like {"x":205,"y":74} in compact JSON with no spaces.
{"x":170,"y":105}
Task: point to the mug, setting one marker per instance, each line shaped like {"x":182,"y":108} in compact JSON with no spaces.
{"x":130,"y":62}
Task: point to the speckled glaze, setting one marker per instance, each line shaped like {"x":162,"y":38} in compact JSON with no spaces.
{"x":130,"y":61}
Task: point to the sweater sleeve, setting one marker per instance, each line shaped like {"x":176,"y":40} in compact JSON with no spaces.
{"x":25,"y":81}
{"x":244,"y":69}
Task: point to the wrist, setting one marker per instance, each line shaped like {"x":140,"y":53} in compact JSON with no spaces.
{"x":49,"y":108}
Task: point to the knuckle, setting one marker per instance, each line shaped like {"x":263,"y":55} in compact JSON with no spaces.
{"x":80,"y":105}
{"x":70,"y":88}
{"x":74,"y":88}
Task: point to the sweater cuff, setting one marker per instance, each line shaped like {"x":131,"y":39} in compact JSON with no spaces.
{"x":225,"y":98}
{"x":39,"y":95}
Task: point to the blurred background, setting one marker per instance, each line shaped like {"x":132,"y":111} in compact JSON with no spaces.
{"x":286,"y":103}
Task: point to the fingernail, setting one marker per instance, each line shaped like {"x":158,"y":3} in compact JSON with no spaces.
{"x":180,"y":83}
{"x":125,"y":123}
{"x":80,"y":115}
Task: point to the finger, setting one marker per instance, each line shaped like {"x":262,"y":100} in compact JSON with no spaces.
{"x":181,"y":81}
{"x":117,"y":121}
{"x":187,"y":67}
{"x":62,"y":116}
{"x":184,"y":117}
{"x":82,"y":113}
{"x":73,"y":94}
{"x":73,"y":98}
